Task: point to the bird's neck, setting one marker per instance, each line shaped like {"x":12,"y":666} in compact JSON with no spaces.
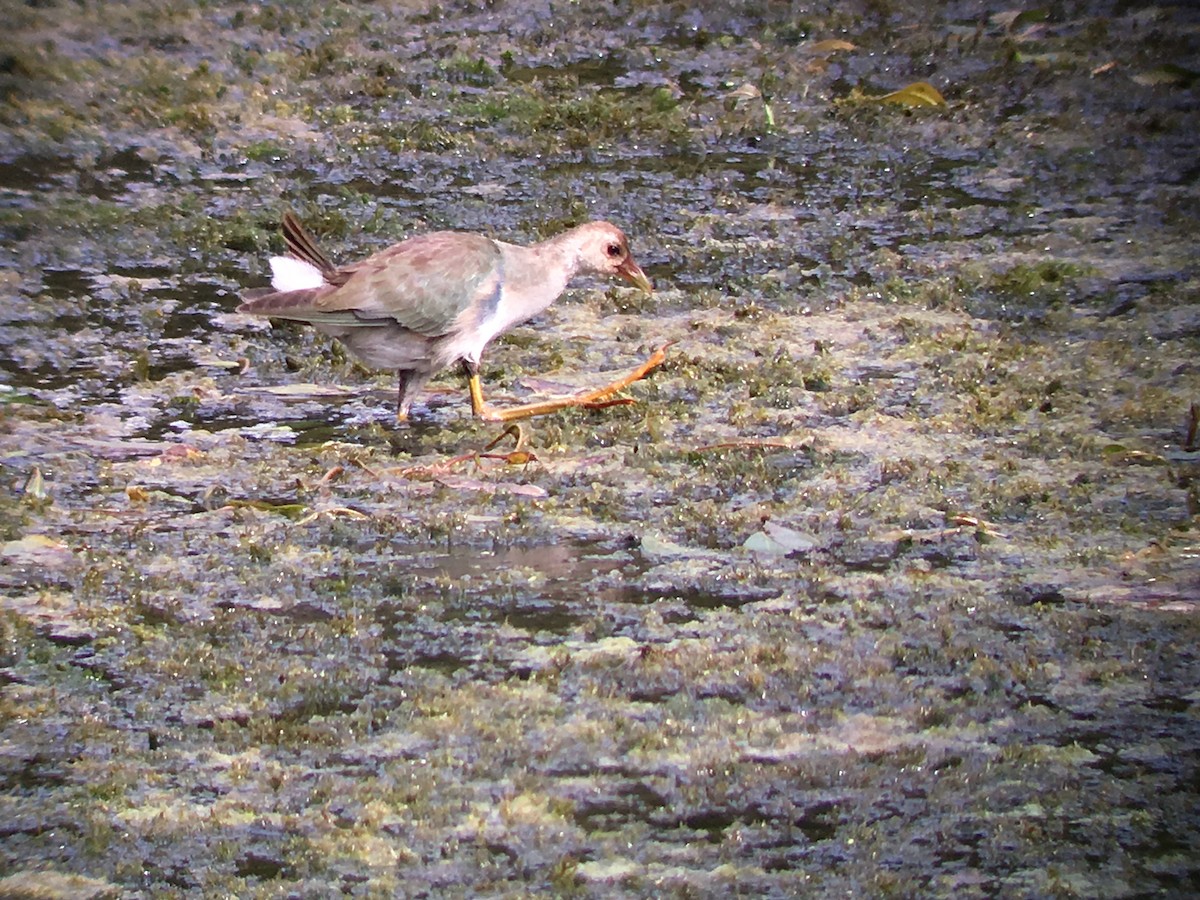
{"x":535,"y":276}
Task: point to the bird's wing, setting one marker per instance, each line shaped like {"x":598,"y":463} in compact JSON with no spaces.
{"x":425,"y":284}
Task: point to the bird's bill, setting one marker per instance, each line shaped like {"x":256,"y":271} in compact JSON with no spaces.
{"x":632,"y":272}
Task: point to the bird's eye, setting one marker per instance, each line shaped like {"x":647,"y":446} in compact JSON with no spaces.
{"x":613,"y":250}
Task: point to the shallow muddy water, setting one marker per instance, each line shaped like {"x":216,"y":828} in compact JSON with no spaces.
{"x":885,"y":584}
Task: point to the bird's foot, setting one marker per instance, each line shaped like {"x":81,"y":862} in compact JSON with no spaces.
{"x":518,"y":456}
{"x":594,"y":399}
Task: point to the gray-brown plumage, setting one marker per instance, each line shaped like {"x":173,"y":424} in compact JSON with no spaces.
{"x":432,"y":300}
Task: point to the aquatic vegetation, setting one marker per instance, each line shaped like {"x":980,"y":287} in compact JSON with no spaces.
{"x":884,"y":586}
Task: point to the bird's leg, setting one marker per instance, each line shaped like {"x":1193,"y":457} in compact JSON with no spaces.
{"x":478,"y":407}
{"x":407,"y":384}
{"x":595,"y":399}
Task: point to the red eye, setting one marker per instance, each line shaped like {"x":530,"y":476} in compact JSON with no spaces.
{"x":614,"y":250}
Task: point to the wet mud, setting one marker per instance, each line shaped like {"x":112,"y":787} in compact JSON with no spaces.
{"x":885,"y":584}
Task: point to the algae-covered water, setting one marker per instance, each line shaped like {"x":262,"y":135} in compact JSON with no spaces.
{"x":886,"y":583}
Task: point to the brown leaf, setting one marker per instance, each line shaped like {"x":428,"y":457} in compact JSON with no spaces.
{"x":746,"y":92}
{"x":919,"y":93}
{"x":826,"y":47}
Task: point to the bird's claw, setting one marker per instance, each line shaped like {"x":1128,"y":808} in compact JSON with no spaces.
{"x":599,"y":398}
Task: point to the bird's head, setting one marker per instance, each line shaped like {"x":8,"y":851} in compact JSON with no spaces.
{"x":603,"y":250}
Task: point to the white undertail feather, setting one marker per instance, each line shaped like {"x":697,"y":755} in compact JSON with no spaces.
{"x":291,"y":274}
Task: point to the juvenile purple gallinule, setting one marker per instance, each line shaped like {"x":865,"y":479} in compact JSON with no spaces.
{"x":435,"y":299}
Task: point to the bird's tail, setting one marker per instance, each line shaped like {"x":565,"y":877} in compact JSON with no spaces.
{"x":302,"y":246}
{"x":281,"y":304}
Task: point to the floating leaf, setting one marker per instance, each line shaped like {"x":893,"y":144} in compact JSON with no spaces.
{"x":1006,"y":18}
{"x":746,"y":92}
{"x":268,"y":431}
{"x":303,"y":390}
{"x":286,"y":509}
{"x":1192,"y":457}
{"x":117,"y":449}
{"x":36,"y":550}
{"x":1011,"y":18}
{"x":332,"y":512}
{"x":177,"y":453}
{"x":824,"y":48}
{"x":919,"y":93}
{"x":778,"y":540}
{"x":1030,"y":16}
{"x":1136,"y":458}
{"x":466,"y":483}
{"x":1169,"y":74}
{"x":659,"y":549}
{"x":9,"y":395}
{"x":215,"y":362}
{"x":35,"y":487}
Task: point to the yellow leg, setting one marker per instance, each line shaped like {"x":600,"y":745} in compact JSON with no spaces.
{"x":478,"y":407}
{"x":596,"y":399}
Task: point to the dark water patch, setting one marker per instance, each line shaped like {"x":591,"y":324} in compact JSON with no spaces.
{"x":261,"y":865}
{"x":698,"y":27}
{"x":188,"y":323}
{"x":603,"y":71}
{"x":130,"y":164}
{"x":420,"y":641}
{"x":611,"y":805}
{"x":23,"y":179}
{"x":542,"y":615}
{"x":818,"y":821}
{"x":547,"y":591}
{"x":315,"y":432}
{"x":690,"y":173}
{"x":113,"y":175}
{"x":403,"y":190}
{"x":142,"y":270}
{"x":35,"y":772}
{"x":80,"y":384}
{"x":164,"y":365}
{"x":30,"y":173}
{"x":67,"y":282}
{"x":305,"y":431}
{"x":90,"y":374}
{"x":705,"y":596}
{"x":953,"y":182}
{"x":446,"y":663}
{"x":96,"y":332}
{"x":559,"y":564}
{"x":1172,"y":703}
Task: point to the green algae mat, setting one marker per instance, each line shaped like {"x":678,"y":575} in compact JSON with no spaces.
{"x":885,"y":583}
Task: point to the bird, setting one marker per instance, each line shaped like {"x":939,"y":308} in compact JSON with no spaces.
{"x":438,"y":298}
